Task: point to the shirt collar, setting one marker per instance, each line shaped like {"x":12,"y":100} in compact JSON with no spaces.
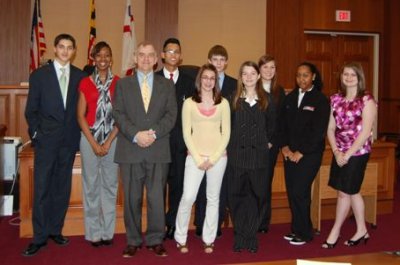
{"x":167,"y":74}
{"x":57,"y":66}
{"x":301,"y":92}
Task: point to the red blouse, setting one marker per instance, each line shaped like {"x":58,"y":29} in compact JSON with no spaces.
{"x":89,"y":89}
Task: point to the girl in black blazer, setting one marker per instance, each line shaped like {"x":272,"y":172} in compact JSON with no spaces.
{"x":267,"y":65}
{"x":305,"y":116}
{"x":252,"y":126}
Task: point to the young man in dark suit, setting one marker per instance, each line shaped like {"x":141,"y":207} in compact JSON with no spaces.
{"x":184,"y":88}
{"x":217,"y":56}
{"x":55,"y":134}
{"x":145,"y":113}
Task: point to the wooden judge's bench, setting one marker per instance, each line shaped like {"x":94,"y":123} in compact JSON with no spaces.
{"x":380,"y":172}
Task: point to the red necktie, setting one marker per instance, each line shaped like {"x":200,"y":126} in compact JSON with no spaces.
{"x":171,"y":76}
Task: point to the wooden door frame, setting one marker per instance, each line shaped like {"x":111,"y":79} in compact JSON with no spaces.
{"x":375,"y":75}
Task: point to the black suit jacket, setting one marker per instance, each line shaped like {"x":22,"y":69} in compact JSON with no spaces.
{"x":49,"y":123}
{"x":229,"y":87}
{"x":278,"y":100}
{"x":251,"y":131}
{"x":184,"y":88}
{"x":304,"y":128}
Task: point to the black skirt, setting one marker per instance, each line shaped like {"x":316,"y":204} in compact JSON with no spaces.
{"x":348,"y":178}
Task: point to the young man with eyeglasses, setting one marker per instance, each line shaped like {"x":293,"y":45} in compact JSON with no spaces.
{"x":184,"y":87}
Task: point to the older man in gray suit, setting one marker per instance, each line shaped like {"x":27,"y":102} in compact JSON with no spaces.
{"x":145,"y":112}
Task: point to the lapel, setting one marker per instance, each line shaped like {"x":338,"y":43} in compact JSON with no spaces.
{"x":71,"y":87}
{"x":306,"y":99}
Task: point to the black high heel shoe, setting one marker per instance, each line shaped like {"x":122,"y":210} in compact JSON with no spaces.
{"x":351,"y":243}
{"x":327,"y":245}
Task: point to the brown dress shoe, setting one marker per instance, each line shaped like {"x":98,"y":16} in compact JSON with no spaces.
{"x":129,"y":251}
{"x":159,"y":250}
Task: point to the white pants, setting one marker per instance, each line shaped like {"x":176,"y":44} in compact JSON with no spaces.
{"x":191,"y":184}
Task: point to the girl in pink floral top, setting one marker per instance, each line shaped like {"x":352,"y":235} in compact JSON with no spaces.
{"x":348,"y":119}
{"x":352,"y":116}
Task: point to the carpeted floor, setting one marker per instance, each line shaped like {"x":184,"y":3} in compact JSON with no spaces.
{"x":272,"y":246}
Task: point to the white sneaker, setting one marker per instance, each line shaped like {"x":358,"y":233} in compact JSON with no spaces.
{"x":289,"y":237}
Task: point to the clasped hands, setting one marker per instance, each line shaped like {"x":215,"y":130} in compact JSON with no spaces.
{"x":145,"y":138}
{"x":206,"y":164}
{"x":341,"y":158}
{"x":101,"y":149}
{"x":292,"y":156}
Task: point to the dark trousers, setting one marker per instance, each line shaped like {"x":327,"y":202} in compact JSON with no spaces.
{"x":299,"y":178}
{"x":175,"y":185}
{"x":135,"y":177}
{"x":201,"y":202}
{"x":247,"y":196}
{"x":266,"y":210}
{"x":52,"y":189}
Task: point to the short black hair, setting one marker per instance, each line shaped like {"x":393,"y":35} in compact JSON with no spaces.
{"x":171,"y":40}
{"x":64,"y":36}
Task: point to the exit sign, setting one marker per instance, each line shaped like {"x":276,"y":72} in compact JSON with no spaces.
{"x":343,"y":15}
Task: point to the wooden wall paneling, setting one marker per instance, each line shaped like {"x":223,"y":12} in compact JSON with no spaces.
{"x":12,"y":106}
{"x":322,"y":50}
{"x":21,"y":125}
{"x":161,"y":22}
{"x":283,"y":37}
{"x":360,"y":49}
{"x":5,"y":109}
{"x":389,"y":97}
{"x":389,"y":116}
{"x":320,"y":15}
{"x":393,"y":51}
{"x":15,"y":16}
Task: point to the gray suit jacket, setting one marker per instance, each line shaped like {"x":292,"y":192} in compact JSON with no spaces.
{"x":130,"y":116}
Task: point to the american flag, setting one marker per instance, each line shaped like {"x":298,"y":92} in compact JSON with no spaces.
{"x":128,"y":41}
{"x":92,"y":32}
{"x":38,"y":42}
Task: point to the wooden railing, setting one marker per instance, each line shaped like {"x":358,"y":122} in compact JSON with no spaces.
{"x":382,"y":158}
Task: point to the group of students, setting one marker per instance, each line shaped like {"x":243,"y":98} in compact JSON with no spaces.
{"x":215,"y":140}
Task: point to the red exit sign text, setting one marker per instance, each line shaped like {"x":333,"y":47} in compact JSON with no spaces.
{"x":343,"y":15}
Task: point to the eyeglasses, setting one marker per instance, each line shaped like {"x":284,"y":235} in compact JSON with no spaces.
{"x":204,"y":77}
{"x":172,"y":52}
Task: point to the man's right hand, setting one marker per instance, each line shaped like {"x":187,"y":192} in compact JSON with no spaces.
{"x":145,"y":138}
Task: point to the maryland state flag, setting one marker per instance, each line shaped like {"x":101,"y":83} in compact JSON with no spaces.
{"x":38,"y":42}
{"x":92,"y":32}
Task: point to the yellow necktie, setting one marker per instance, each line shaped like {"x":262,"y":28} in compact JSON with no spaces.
{"x":63,"y":84}
{"x":145,"y":93}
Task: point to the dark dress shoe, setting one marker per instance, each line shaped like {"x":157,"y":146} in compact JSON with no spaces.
{"x":32,"y":249}
{"x":169,"y":234}
{"x":130,"y":251}
{"x":59,"y":239}
{"x":199,"y":231}
{"x":219,"y":233}
{"x":106,"y":242}
{"x":159,"y":250}
{"x":263,"y":230}
{"x":237,"y":249}
{"x":96,"y":244}
{"x":252,"y":250}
